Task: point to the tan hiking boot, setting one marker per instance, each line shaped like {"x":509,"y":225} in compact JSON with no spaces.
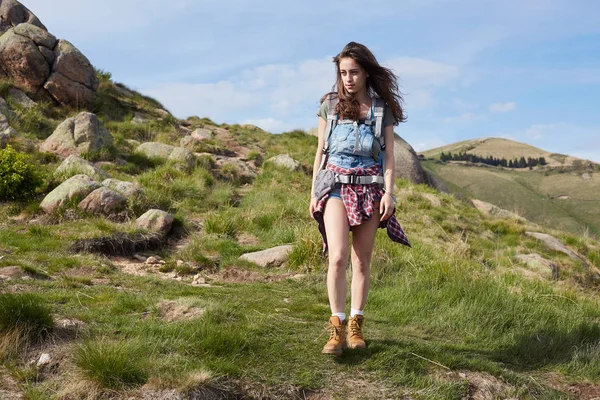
{"x":337,"y":336}
{"x":355,"y":337}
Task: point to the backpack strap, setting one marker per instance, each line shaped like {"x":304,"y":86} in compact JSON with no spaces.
{"x":331,"y":122}
{"x":379,"y":106}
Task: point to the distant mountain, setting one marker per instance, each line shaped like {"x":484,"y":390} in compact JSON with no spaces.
{"x":565,"y":194}
{"x":501,"y":148}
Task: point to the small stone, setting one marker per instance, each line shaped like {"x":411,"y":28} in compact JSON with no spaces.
{"x":151,"y":260}
{"x":45,"y":359}
{"x":139,"y":258}
{"x":162,"y":262}
{"x":180,"y":263}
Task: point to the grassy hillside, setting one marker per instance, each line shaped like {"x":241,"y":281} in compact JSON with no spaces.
{"x":502,"y":148}
{"x":558,"y":200}
{"x":457,"y":316}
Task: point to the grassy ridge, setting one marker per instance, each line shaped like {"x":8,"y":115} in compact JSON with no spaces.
{"x":530,"y":194}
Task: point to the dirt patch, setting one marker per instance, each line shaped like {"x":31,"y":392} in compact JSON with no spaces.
{"x":582,"y":391}
{"x":179,"y":310}
{"x":247,"y":239}
{"x":482,"y":386}
{"x":8,"y":387}
{"x":234,"y":275}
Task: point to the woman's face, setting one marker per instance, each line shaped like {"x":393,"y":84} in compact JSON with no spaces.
{"x":353,"y":75}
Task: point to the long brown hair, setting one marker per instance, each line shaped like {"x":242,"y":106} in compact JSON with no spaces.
{"x":381,"y":81}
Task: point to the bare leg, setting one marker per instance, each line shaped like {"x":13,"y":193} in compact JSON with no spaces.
{"x":363,"y":238}
{"x":336,"y":229}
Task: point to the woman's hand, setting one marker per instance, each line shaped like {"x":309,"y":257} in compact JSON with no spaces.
{"x":313,"y":205}
{"x":386,"y":206}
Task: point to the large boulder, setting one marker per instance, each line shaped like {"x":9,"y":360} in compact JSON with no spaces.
{"x":78,"y":135}
{"x":73,"y":189}
{"x":13,"y":13}
{"x":407,"y":165}
{"x":156,"y":221}
{"x":103,"y":201}
{"x":22,"y":62}
{"x":74,"y":165}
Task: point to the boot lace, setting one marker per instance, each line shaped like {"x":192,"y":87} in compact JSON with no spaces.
{"x":355,"y":328}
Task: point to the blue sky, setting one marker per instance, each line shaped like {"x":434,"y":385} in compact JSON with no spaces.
{"x":527,"y":70}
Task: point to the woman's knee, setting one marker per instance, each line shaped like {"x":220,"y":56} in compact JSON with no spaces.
{"x":361,"y":266}
{"x":338,"y":261}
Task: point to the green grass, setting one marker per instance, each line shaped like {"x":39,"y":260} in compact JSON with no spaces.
{"x":112,"y":365}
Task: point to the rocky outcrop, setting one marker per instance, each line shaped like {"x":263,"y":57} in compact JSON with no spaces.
{"x":78,"y":135}
{"x":73,"y":189}
{"x":554,"y":244}
{"x":39,"y":63}
{"x":491,"y":209}
{"x":538,"y":265}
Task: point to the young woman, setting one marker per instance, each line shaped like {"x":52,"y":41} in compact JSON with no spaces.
{"x":357,"y":207}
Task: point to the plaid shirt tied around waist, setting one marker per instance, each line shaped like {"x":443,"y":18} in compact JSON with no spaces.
{"x":359,"y":201}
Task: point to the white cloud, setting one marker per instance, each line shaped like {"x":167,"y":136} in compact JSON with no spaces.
{"x":428,"y":144}
{"x":503,"y":107}
{"x":463,"y":118}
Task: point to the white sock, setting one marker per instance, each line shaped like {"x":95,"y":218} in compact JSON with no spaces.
{"x":354,"y":312}
{"x":341,"y":315}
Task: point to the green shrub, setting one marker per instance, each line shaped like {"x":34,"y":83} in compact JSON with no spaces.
{"x":24,"y":312}
{"x":102,"y":75}
{"x":18,"y":178}
{"x":111,"y":365}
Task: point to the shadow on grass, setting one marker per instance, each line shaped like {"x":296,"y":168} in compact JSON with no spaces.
{"x":547,"y":347}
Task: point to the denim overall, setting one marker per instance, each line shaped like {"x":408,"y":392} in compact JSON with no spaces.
{"x":350,"y":146}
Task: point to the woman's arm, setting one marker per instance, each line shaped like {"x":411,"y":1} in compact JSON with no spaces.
{"x":387,"y":204}
{"x":319,"y":154}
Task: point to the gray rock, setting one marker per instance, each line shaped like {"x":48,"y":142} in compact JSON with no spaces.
{"x":13,"y":13}
{"x":68,"y":92}
{"x":39,"y":36}
{"x":139,"y":119}
{"x":3,"y":122}
{"x":586,"y":176}
{"x":553,"y":243}
{"x":155,"y":149}
{"x":74,"y":165}
{"x":81,"y":134}
{"x":4,"y":109}
{"x":71,"y":63}
{"x":127,"y":189}
{"x":103,"y":201}
{"x":156,"y":221}
{"x":162,"y":113}
{"x":271,"y":257}
{"x":285,"y":161}
{"x":182,"y":156}
{"x":201,"y":134}
{"x":21,"y":98}
{"x":539,"y":265}
{"x":48,"y":54}
{"x":246,"y":171}
{"x":178,"y":155}
{"x":490,"y":209}
{"x":4,"y":137}
{"x":407,"y":165}
{"x":72,"y":190}
{"x":22,"y":62}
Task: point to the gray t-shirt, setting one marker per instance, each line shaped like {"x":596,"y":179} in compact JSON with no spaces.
{"x":388,"y":117}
